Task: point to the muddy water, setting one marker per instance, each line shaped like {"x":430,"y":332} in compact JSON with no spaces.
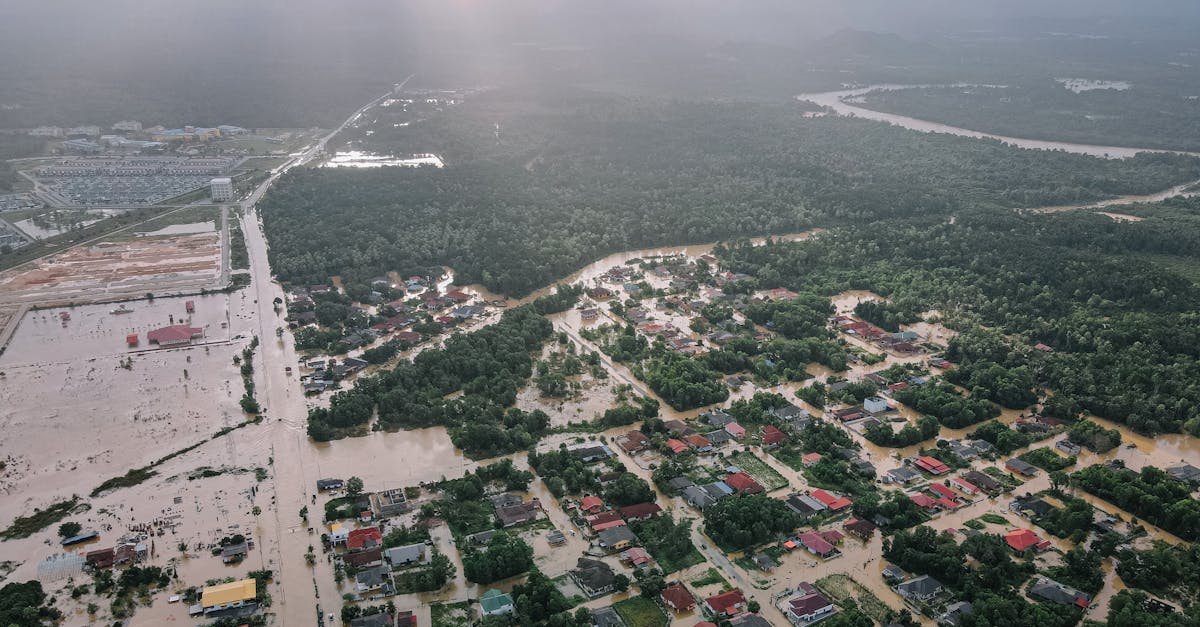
{"x":841,"y":103}
{"x":1179,"y":191}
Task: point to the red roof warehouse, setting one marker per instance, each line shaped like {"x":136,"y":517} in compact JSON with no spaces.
{"x":174,"y":335}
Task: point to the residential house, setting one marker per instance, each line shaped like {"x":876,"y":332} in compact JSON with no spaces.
{"x":831,"y":500}
{"x":636,"y":557}
{"x":677,"y":597}
{"x":383,"y":619}
{"x":679,"y":484}
{"x":364,"y":559}
{"x":863,"y":529}
{"x":617,"y":538}
{"x":736,"y":430}
{"x":743,"y":483}
{"x":1186,"y":473}
{"x":389,"y":502}
{"x":1055,"y":592}
{"x":726,"y":604}
{"x":863,"y":467}
{"x":893,"y":573}
{"x":808,"y":459}
{"x":594,"y":577}
{"x":377,"y":578}
{"x":508,"y":499}
{"x":942,"y":491}
{"x":964,"y":486}
{"x":931,"y":465}
{"x":1021,"y":467}
{"x":984,"y":481}
{"x":324,"y":485}
{"x":495,"y":603}
{"x":698,"y":442}
{"x":962,"y":450}
{"x":589,"y":453}
{"x":983,"y":447}
{"x":591,"y":504}
{"x":1022,"y":540}
{"x":875,"y":405}
{"x":902,"y":475}
{"x":676,"y":446}
{"x":698,"y":497}
{"x":807,"y":606}
{"x":923,"y":500}
{"x":606,"y":617}
{"x":719,"y":437}
{"x":1069,"y":447}
{"x":764,"y":562}
{"x":1031,"y":507}
{"x":599,"y":522}
{"x":804,"y":505}
{"x":228,"y":596}
{"x":679,"y":428}
{"x":367,"y":538}
{"x":633,"y":441}
{"x":922,"y":588}
{"x":405,"y":555}
{"x":952,"y":617}
{"x":817,"y":545}
{"x":640,"y":512}
{"x":524,"y":513}
{"x":772,"y":436}
{"x":482,"y":538}
{"x":716,"y":418}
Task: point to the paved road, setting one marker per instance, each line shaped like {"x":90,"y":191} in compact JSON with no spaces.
{"x":299,"y":588}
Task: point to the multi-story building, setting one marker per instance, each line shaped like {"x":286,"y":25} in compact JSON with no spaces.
{"x":222,"y":189}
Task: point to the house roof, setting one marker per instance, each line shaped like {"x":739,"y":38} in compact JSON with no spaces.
{"x":225,"y":593}
{"x":810,"y":458}
{"x":603,"y":517}
{"x":815,"y":543}
{"x":636,"y":556}
{"x":903,"y":474}
{"x":595,"y":574}
{"x":735,"y":429}
{"x":405,"y":554}
{"x":1053,"y":591}
{"x":942,"y":490}
{"x":772,"y":435}
{"x":362,"y":558}
{"x":608,"y":524}
{"x":808,"y":603}
{"x":860,"y":527}
{"x":932,"y":465}
{"x":615,"y":535}
{"x":920,"y":586}
{"x":590,"y":502}
{"x":1020,"y":466}
{"x":678,"y":598}
{"x":640,"y":510}
{"x":743,"y":483}
{"x":364,"y":538}
{"x":1022,"y":539}
{"x":676,"y":445}
{"x":726,"y":602}
{"x":923,"y":500}
{"x":698,"y":441}
{"x":173,"y":333}
{"x":493,"y":600}
{"x":963,"y":483}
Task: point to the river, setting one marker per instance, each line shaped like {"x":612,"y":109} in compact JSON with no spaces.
{"x":840,"y":102}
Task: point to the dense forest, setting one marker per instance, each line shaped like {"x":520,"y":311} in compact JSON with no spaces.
{"x":571,"y":175}
{"x":1121,"y":326}
{"x":1139,"y":116}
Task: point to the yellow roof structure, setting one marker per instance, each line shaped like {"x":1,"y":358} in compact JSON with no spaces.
{"x":244,"y":590}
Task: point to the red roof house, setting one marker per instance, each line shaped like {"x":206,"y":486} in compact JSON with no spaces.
{"x":677,"y":598}
{"x":964,"y":485}
{"x":636,"y":557}
{"x":816,"y":544}
{"x":808,"y":459}
{"x":735,"y":430}
{"x":676,"y":446}
{"x":412,"y":337}
{"x":1023,"y":539}
{"x":834,"y":503}
{"x":591,"y":504}
{"x":943,"y":491}
{"x":364,"y":538}
{"x":131,"y":339}
{"x":743,"y":483}
{"x":603,"y":517}
{"x":772,"y":436}
{"x":700,"y":442}
{"x":607,"y":525}
{"x":458,"y":296}
{"x":923,"y":500}
{"x":932,"y":465}
{"x":727,"y":603}
{"x":640,"y":511}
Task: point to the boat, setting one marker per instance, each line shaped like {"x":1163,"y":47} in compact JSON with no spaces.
{"x":121,"y":310}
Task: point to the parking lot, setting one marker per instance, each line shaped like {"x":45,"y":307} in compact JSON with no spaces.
{"x":95,"y":181}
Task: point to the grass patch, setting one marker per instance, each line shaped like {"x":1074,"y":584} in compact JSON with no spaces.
{"x":1047,"y":459}
{"x":239,"y":257}
{"x":995,"y":519}
{"x":710,"y":577}
{"x":845,"y":591}
{"x":450,"y":614}
{"x":641,"y":612}
{"x":25,"y":526}
{"x":1003,"y":477}
{"x":766,"y":476}
{"x":191,"y":215}
{"x":669,"y":542}
{"x":974,"y":524}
